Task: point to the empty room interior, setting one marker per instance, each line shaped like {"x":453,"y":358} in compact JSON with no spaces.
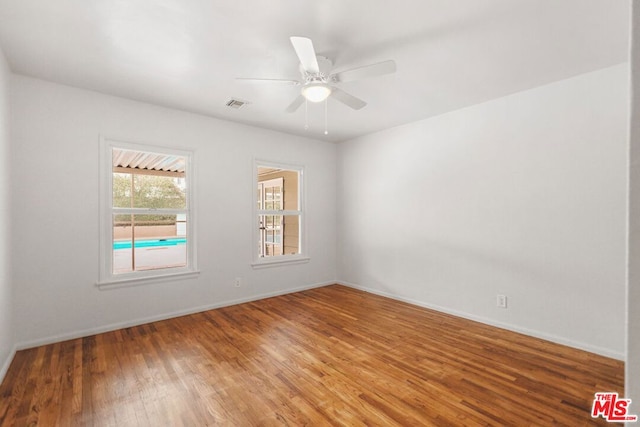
{"x":319,"y":213}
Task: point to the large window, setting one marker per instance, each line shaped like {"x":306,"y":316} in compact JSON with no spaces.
{"x":147,"y":222}
{"x":279,"y":217}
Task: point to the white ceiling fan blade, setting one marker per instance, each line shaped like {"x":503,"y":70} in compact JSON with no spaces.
{"x":348,"y":100}
{"x":385,"y":67}
{"x":295,"y":104}
{"x":306,"y":54}
{"x":285,"y":81}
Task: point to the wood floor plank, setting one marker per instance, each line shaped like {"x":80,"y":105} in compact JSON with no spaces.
{"x":327,"y":356}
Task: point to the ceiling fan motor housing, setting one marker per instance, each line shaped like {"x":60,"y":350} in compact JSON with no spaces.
{"x":324,"y":65}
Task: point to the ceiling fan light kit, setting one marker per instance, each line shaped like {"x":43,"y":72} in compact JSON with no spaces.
{"x":316,"y":77}
{"x":316,"y":92}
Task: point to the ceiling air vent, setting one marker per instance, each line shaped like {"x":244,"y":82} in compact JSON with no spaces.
{"x":236,"y":103}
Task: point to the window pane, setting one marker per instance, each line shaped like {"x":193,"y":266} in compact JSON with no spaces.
{"x":279,"y":235}
{"x":159,"y":242}
{"x":149,"y":191}
{"x":122,"y":187}
{"x":291,"y":234}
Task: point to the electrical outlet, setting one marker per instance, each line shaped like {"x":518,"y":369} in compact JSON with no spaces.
{"x":238,"y":282}
{"x":501,"y":301}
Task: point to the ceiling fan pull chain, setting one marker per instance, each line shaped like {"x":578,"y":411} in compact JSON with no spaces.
{"x":326,"y":132}
{"x":306,"y":114}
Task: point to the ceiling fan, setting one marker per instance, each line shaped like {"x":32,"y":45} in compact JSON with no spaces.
{"x":317,"y":80}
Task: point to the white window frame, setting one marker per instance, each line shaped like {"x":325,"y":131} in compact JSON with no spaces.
{"x":107,"y":278}
{"x":273,"y":261}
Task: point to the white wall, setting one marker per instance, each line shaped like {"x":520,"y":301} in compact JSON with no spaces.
{"x":55,"y":206}
{"x":523,"y":196}
{"x":7,"y":339}
{"x":632,"y":375}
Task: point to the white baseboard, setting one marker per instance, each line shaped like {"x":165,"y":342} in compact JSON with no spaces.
{"x":7,"y":363}
{"x":514,"y":328}
{"x":141,"y":321}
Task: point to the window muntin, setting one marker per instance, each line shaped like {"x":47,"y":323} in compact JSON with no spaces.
{"x":147,"y":223}
{"x":279,"y":213}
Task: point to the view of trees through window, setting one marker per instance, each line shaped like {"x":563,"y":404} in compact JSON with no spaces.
{"x":149,"y":191}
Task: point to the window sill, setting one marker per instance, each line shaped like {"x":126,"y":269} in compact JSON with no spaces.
{"x":269,"y":262}
{"x":137,"y":281}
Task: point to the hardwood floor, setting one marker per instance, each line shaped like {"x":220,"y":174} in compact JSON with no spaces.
{"x":327,"y":356}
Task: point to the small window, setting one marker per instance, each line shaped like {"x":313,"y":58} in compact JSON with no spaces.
{"x":147,"y":223}
{"x":279,"y":214}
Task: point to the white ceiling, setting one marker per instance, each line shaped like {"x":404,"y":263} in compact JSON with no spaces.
{"x":186,"y":54}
